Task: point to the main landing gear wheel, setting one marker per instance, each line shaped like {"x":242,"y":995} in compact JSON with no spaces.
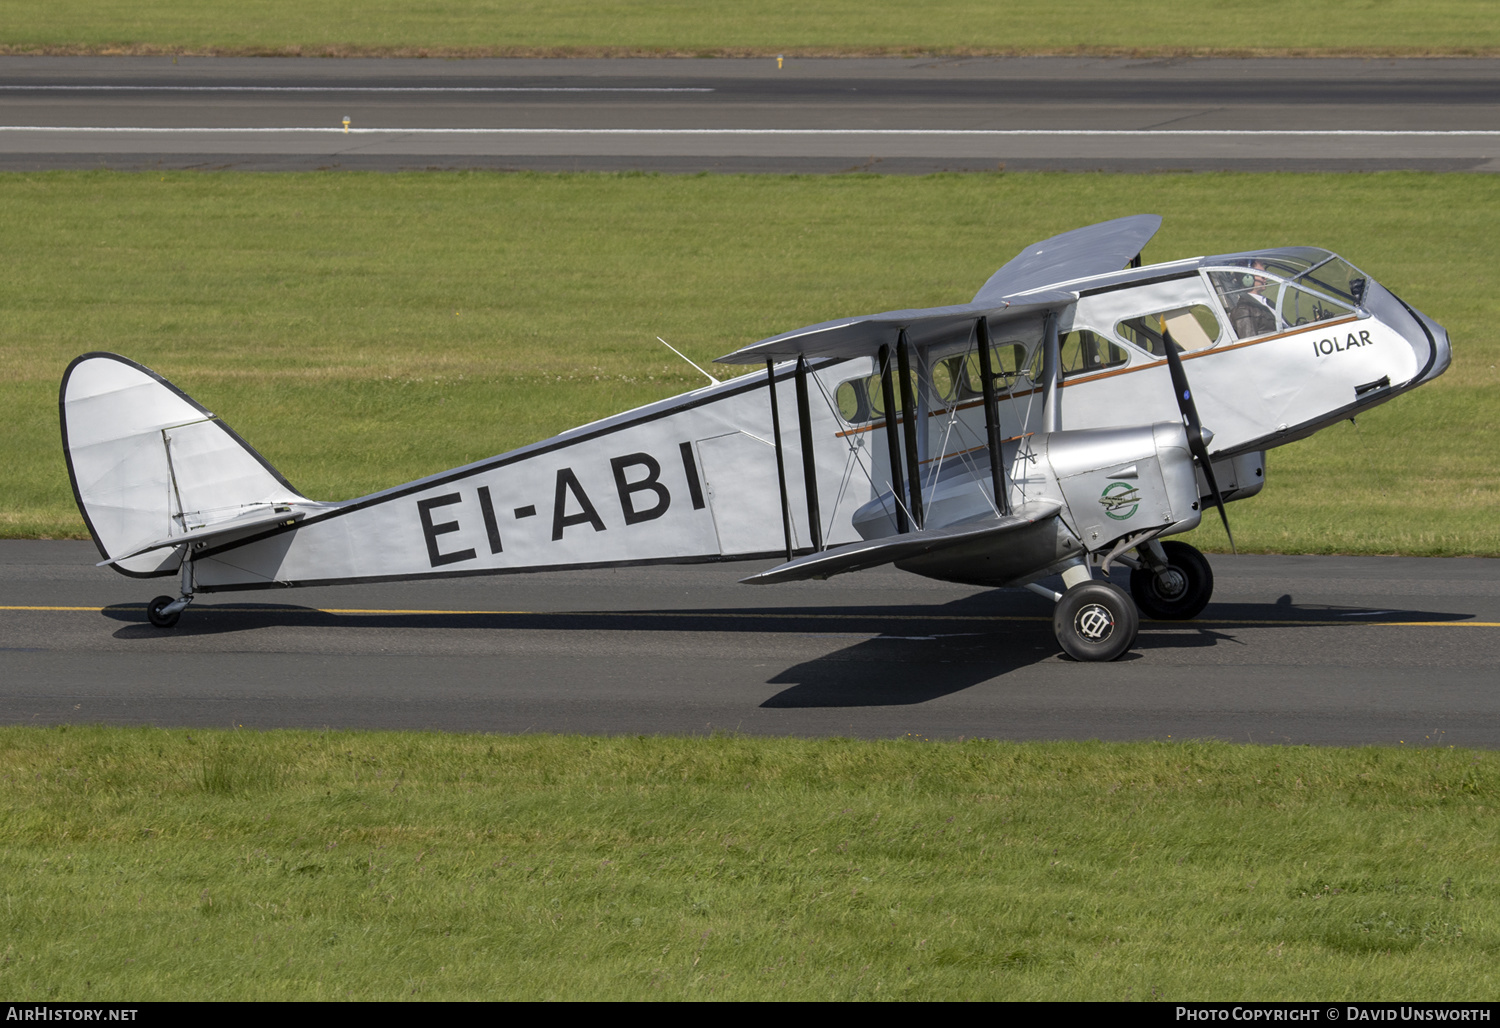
{"x":156,"y":617}
{"x":1095,"y":621}
{"x":1178,"y":592}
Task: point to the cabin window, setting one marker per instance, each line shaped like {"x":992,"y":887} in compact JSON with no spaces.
{"x":1249,"y":298}
{"x":1326,"y":290}
{"x":877,"y":396}
{"x":854,"y":405}
{"x":1336,"y":278}
{"x":958,"y":378}
{"x":1302,"y":307}
{"x":1083,"y":352}
{"x":1007,"y":361}
{"x":1258,"y":303}
{"x":1192,"y":328}
{"x":860,"y":400}
{"x":947,"y":378}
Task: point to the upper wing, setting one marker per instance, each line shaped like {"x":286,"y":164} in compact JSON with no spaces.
{"x":1083,"y":252}
{"x":874,"y":552}
{"x":863,"y":335}
{"x":1092,"y":250}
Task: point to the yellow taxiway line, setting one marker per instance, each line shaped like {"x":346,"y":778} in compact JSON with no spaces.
{"x":791,"y":614}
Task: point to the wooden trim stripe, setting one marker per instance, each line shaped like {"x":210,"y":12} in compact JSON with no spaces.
{"x":976,"y":449}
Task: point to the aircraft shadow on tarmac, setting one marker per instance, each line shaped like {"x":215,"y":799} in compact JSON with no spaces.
{"x":872,"y":673}
{"x":905,"y":654}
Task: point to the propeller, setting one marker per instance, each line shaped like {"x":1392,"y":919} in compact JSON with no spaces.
{"x":1196,"y":443}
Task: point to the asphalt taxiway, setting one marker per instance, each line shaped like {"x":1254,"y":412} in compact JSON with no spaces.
{"x":1293,"y":649}
{"x":1320,"y":650}
{"x":882,"y":114}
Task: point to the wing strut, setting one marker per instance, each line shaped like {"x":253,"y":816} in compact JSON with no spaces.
{"x":809,"y":466}
{"x":992,"y":418}
{"x":892,"y":439}
{"x":786,"y":510}
{"x":1051,"y":374}
{"x":909,"y":424}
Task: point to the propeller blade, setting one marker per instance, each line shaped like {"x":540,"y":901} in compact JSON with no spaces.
{"x":1196,"y":443}
{"x":1213,"y":492}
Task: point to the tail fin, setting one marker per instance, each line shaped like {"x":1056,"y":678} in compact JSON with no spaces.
{"x":149,"y":464}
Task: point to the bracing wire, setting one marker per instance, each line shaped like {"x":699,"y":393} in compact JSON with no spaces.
{"x":853,"y":458}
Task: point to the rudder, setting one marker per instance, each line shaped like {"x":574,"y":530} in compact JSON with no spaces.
{"x":146,"y":462}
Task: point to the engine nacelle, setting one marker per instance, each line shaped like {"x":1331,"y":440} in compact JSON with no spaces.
{"x":1116,"y":482}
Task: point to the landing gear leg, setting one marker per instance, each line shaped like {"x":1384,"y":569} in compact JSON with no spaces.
{"x":1173,"y":582}
{"x":1093,"y":621}
{"x":164,"y":611}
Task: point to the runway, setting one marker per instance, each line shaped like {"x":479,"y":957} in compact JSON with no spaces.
{"x":1296,"y":650}
{"x":683,"y":115}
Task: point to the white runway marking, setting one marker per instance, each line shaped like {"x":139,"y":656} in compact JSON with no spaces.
{"x":971,"y":133}
{"x":358,"y":89}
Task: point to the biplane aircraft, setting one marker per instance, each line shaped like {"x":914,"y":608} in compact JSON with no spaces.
{"x":1077,"y":412}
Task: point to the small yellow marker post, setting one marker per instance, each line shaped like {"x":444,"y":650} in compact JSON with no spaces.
{"x":778,"y":60}
{"x":346,"y":124}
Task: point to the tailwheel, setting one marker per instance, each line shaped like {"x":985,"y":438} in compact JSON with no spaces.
{"x":1095,"y":621}
{"x":1177,"y":590}
{"x":155,"y":612}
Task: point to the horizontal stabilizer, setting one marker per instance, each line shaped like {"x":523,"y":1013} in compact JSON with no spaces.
{"x":875,"y":552}
{"x":222,"y":531}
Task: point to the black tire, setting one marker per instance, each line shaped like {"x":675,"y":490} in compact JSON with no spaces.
{"x":1095,"y":621}
{"x":156,"y":617}
{"x":1182,"y":593}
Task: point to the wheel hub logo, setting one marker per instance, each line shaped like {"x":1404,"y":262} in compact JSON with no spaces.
{"x":1121,"y":500}
{"x":1094,"y":622}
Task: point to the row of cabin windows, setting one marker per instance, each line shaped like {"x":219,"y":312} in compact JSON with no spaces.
{"x":1257,"y":303}
{"x":954,"y":379}
{"x":958,"y":379}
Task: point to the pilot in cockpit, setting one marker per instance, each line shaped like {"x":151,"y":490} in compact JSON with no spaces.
{"x":1253,"y":313}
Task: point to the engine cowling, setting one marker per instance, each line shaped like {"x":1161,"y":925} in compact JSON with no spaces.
{"x":1116,"y":482}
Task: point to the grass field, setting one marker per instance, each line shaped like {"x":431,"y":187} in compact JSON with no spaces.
{"x":364,"y":330}
{"x":761,"y":27}
{"x":146,"y":864}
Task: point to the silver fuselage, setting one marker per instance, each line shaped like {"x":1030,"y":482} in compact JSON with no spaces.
{"x":1286,"y":342}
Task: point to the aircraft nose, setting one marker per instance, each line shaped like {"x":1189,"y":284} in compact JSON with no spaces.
{"x":1444,"y":353}
{"x":1438,"y":351}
